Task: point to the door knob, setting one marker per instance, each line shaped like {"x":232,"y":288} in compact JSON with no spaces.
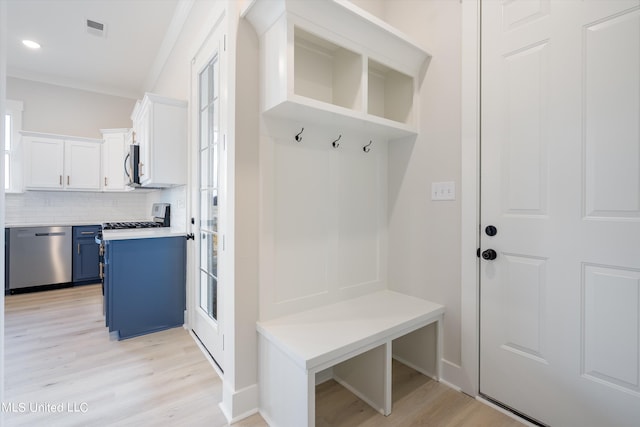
{"x":489,"y":254}
{"x":491,"y":230}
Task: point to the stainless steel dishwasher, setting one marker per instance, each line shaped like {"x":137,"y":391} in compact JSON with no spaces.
{"x":39,"y":256}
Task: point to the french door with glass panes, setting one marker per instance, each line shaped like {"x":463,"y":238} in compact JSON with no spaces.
{"x":208,"y":203}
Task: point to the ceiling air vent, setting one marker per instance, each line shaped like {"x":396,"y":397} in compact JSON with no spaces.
{"x":96,"y":28}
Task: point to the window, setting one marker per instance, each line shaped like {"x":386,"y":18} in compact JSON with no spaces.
{"x":12,"y":151}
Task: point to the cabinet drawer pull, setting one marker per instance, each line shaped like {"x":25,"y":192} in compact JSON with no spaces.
{"x":60,"y":179}
{"x":78,"y":248}
{"x":87,"y":232}
{"x":105,"y":181}
{"x":68,"y":180}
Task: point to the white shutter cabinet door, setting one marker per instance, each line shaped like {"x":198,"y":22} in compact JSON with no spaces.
{"x":82,"y":165}
{"x":113,"y":154}
{"x":44,"y":163}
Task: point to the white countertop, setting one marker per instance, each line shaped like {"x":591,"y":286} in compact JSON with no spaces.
{"x":143,"y":233}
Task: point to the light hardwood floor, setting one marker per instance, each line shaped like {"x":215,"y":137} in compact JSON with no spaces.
{"x":58,"y":352}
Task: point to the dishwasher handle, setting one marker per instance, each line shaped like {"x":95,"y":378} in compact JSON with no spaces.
{"x":59,"y":233}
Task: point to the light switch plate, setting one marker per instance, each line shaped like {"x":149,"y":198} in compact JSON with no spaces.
{"x":445,"y":190}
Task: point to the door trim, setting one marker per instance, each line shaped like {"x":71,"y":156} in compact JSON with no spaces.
{"x":470,"y":200}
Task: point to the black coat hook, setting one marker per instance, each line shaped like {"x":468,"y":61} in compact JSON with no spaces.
{"x":335,"y":143}
{"x":298,"y":136}
{"x":366,"y":148}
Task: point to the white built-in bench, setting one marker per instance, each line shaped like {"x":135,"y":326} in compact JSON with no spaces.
{"x":357,"y":338}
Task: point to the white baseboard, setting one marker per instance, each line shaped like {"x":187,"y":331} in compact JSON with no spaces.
{"x":415,"y":368}
{"x":239,"y":404}
{"x":451,"y":386}
{"x":455,"y":377}
{"x":236,"y":405}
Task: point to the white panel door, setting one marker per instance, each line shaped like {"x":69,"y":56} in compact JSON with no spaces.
{"x":560,"y":305}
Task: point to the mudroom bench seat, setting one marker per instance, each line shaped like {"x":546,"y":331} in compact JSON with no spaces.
{"x":354,"y":341}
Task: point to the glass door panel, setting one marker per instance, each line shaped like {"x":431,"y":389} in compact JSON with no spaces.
{"x":209,"y":169}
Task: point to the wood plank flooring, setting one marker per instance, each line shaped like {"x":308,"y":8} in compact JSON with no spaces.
{"x":58,"y":355}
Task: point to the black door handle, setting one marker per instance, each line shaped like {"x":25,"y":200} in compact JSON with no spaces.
{"x":190,"y":236}
{"x":489,"y":254}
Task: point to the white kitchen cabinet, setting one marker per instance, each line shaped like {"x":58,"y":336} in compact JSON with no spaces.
{"x":44,"y":163}
{"x":114,"y":151}
{"x":82,"y":165}
{"x":331,"y":63}
{"x":160,"y":129}
{"x":59,"y":162}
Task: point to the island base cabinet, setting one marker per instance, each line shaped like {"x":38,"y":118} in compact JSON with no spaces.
{"x":144,"y":285}
{"x":86,"y":257}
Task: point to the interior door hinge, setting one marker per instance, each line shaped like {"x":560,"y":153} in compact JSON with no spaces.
{"x":225,"y":43}
{"x":223,"y":342}
{"x":224,"y":142}
{"x":223,"y":242}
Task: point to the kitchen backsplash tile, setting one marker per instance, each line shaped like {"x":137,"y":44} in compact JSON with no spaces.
{"x":177,"y":198}
{"x":42,"y":207}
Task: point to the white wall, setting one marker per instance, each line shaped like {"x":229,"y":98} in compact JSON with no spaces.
{"x":324,"y":224}
{"x":3,"y":95}
{"x":240,"y":358}
{"x":246,"y":182}
{"x":424,"y":236}
{"x":66,"y":111}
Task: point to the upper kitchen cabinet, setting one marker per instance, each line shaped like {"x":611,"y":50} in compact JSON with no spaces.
{"x":331,"y":63}
{"x":160,"y":129}
{"x":114,"y":151}
{"x":58,"y":162}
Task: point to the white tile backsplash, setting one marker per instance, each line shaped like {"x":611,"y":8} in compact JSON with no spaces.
{"x":49,"y":207}
{"x":177,"y":197}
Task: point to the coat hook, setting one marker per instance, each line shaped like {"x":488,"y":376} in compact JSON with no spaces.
{"x":366,"y":148}
{"x":335,"y":143}
{"x":298,"y":137}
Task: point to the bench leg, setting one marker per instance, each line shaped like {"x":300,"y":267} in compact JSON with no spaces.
{"x":368,"y":376}
{"x":287,"y":392}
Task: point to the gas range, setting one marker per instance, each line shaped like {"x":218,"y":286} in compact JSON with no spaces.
{"x":127,"y":225}
{"x":161,"y":213}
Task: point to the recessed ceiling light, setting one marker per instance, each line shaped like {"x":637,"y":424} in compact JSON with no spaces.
{"x":31,"y":44}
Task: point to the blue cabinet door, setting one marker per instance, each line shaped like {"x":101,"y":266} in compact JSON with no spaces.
{"x":6,"y":260}
{"x":86,"y":258}
{"x":145,"y":285}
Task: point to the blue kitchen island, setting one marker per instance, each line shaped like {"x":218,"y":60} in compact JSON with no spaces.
{"x":144,"y":281}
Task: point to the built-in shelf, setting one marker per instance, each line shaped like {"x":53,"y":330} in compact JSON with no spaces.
{"x":326,"y":72}
{"x":329,"y":62}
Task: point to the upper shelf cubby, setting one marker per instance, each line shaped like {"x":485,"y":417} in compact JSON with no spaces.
{"x":330,"y":62}
{"x":326,"y":72}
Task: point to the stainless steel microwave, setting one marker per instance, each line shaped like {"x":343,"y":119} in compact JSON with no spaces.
{"x":132,"y":166}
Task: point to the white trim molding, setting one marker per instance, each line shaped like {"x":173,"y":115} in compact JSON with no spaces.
{"x":470,"y":190}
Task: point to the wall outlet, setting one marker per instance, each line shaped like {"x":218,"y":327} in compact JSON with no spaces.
{"x":443,"y":190}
